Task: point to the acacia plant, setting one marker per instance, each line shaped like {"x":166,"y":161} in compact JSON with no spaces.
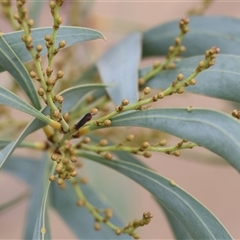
{"x":79,"y":116}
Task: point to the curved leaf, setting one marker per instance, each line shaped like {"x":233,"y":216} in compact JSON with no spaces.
{"x":74,"y":94}
{"x":38,"y":213}
{"x":219,"y":81}
{"x":71,"y":35}
{"x":35,"y":124}
{"x":10,"y":62}
{"x":11,"y":100}
{"x":25,"y":169}
{"x":193,"y":216}
{"x":211,"y":129}
{"x":178,"y":229}
{"x":118,"y":69}
{"x":78,"y":218}
{"x":205,"y":32}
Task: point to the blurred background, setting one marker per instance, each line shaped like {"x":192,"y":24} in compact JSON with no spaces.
{"x":199,"y":172}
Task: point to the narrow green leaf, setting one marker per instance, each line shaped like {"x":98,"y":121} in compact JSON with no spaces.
{"x":118,"y":69}
{"x":71,"y":35}
{"x":9,"y":99}
{"x":216,"y":131}
{"x":23,"y":168}
{"x":74,"y":94}
{"x":198,"y":221}
{"x":41,"y":229}
{"x":79,"y":219}
{"x":10,"y":62}
{"x":219,"y":81}
{"x":35,"y":124}
{"x":31,"y":171}
{"x":178,"y":229}
{"x":204,"y":32}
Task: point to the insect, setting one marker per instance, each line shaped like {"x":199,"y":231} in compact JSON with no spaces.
{"x":85,"y":119}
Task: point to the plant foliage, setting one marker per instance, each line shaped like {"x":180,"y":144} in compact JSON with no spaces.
{"x":70,"y":113}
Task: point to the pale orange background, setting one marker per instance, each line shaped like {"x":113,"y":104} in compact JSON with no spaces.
{"x":215,"y":185}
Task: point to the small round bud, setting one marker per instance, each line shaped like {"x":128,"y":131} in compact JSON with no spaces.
{"x":135,"y":236}
{"x":65,"y":161}
{"x":47,"y":38}
{"x":189,"y":108}
{"x":163,"y":142}
{"x":49,"y":71}
{"x":107,"y":122}
{"x":108,"y":156}
{"x":155,"y":98}
{"x":32,"y":74}
{"x":180,"y":90}
{"x":81,"y":202}
{"x":171,"y":49}
{"x":73,"y":159}
{"x":70,"y":168}
{"x":156,"y":64}
{"x":16,"y":16}
{"x":94,"y":111}
{"x":125,"y":102}
{"x":66,"y":117}
{"x":59,"y":168}
{"x":97,"y":226}
{"x":56,"y":114}
{"x":177,"y":153}
{"x":147,"y":215}
{"x":212,"y":62}
{"x":41,"y":92}
{"x":74,"y":174}
{"x":52,"y":178}
{"x":185,"y":30}
{"x":59,"y":20}
{"x":108,"y":213}
{"x":141,"y":81}
{"x":39,"y":48}
{"x":172,"y":183}
{"x":180,"y":77}
{"x":177,"y":41}
{"x":54,"y":157}
{"x":171,"y":65}
{"x":103,"y":142}
{"x":62,"y":44}
{"x":89,"y":98}
{"x":147,"y":154}
{"x":84,"y":180}
{"x":30,"y":22}
{"x":50,"y":82}
{"x":59,"y":98}
{"x":182,"y":49}
{"x":86,"y":140}
{"x":118,"y":231}
{"x":193,"y":81}
{"x":130,"y":137}
{"x":52,"y":4}
{"x":60,"y":74}
{"x":28,"y":39}
{"x":60,"y":181}
{"x":147,"y":90}
{"x":201,"y":64}
{"x":160,"y":95}
{"x":145,"y":145}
